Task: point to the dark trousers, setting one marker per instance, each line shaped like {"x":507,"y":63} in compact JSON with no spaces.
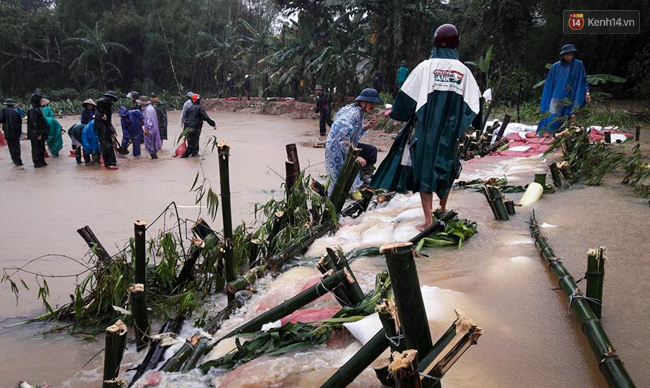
{"x":38,"y":151}
{"x":369,"y":153}
{"x":193,"y":137}
{"x":14,"y":151}
{"x":108,"y":154}
{"x":325,"y":119}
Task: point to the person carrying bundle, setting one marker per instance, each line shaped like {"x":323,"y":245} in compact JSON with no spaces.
{"x":194,"y":119}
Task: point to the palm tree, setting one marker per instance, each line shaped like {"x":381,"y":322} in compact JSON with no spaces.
{"x":93,"y":59}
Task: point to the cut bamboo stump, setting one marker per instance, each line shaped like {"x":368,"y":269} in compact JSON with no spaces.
{"x":359,"y":362}
{"x":555,"y":174}
{"x":140,"y":316}
{"x":386,"y":310}
{"x":324,"y":265}
{"x":404,"y":369}
{"x":510,"y":207}
{"x":346,"y":179}
{"x":197,"y":353}
{"x":224,"y":174}
{"x":156,"y":351}
{"x":595,"y":279}
{"x":247,"y":280}
{"x":637,"y":134}
{"x":353,"y":290}
{"x":113,"y":352}
{"x":201,"y":230}
{"x":93,"y":242}
{"x":408,"y":297}
{"x":610,"y":365}
{"x":215,"y":323}
{"x":140,"y":228}
{"x":495,"y":200}
{"x":358,"y":207}
{"x":290,"y":176}
{"x":504,"y":125}
{"x":116,"y":383}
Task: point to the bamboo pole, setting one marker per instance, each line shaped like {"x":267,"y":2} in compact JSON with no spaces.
{"x":93,"y":242}
{"x":276,"y":227}
{"x":294,"y":249}
{"x":346,"y":179}
{"x":175,"y":362}
{"x":637,"y":134}
{"x":491,"y":104}
{"x":437,"y":224}
{"x":555,"y":174}
{"x":115,"y":344}
{"x":408,"y":297}
{"x":201,"y":230}
{"x":140,"y":228}
{"x":359,"y":206}
{"x":462,"y":334}
{"x":359,"y":362}
{"x":510,"y":207}
{"x":386,"y":310}
{"x":404,"y":368}
{"x":290,"y":176}
{"x":116,"y":383}
{"x":504,"y":124}
{"x":253,"y":252}
{"x":595,"y":278}
{"x":197,"y":353}
{"x":140,"y":316}
{"x":214,"y":324}
{"x":156,"y":351}
{"x":292,"y":156}
{"x":610,"y":364}
{"x":224,"y":175}
{"x":289,"y":306}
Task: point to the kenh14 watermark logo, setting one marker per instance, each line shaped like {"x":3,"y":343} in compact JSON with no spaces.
{"x":602,"y":22}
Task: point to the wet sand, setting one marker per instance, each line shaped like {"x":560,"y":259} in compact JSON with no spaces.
{"x":530,"y":338}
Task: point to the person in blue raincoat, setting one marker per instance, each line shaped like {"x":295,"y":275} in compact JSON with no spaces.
{"x":131,"y":121}
{"x":565,"y":91}
{"x":90,"y":142}
{"x":346,"y":131}
{"x":439,"y":100}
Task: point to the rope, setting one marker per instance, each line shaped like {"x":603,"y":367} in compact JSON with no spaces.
{"x":579,"y":296}
{"x":430,"y":377}
{"x":395,"y":341}
{"x":333,"y":294}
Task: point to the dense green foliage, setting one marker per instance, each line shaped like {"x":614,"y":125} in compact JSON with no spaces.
{"x":288,"y":46}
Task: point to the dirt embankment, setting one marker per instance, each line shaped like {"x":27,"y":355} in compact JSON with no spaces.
{"x":291,"y":108}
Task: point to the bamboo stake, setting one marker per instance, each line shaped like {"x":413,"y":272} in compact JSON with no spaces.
{"x":386,"y":310}
{"x":116,"y":383}
{"x":292,"y":155}
{"x":462,"y":334}
{"x":214,"y":324}
{"x":496,"y":200}
{"x":276,"y":227}
{"x":140,"y":316}
{"x":175,"y":362}
{"x":637,"y":134}
{"x":595,"y":277}
{"x":610,"y":364}
{"x":490,"y":202}
{"x":408,"y":297}
{"x":290,"y":174}
{"x":156,"y":351}
{"x":346,"y":179}
{"x":254,"y":252}
{"x":140,"y":228}
{"x":224,"y":175}
{"x":89,"y":237}
{"x":359,"y":206}
{"x":115,"y":344}
{"x":294,"y":249}
{"x":201,"y":230}
{"x":359,"y":362}
{"x":404,"y":369}
{"x":510,"y":207}
{"x":504,"y":124}
{"x":555,"y":174}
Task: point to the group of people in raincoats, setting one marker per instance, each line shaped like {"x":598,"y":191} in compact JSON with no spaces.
{"x":438,"y":100}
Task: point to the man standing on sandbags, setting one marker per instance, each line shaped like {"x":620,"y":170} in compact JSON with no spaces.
{"x":193,"y":124}
{"x":439,"y":100}
{"x":566,"y":81}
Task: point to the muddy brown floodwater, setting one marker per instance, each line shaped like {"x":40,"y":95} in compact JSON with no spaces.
{"x":498,"y":279}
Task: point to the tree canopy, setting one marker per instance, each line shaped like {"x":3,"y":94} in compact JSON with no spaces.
{"x":289,"y":46}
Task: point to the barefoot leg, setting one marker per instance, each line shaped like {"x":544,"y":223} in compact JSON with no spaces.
{"x":427,"y":206}
{"x":443,"y":203}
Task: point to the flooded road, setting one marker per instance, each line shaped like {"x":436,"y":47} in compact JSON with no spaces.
{"x":498,"y":279}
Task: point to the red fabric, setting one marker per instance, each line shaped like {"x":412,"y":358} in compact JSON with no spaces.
{"x":180,"y":150}
{"x":311,"y":315}
{"x":3,"y":141}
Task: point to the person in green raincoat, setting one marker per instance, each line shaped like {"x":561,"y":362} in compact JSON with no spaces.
{"x":438,"y":100}
{"x":54,"y":135}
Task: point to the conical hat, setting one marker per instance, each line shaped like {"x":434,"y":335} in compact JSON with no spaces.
{"x":89,"y":101}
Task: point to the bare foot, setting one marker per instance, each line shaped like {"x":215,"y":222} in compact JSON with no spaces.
{"x":422,"y":227}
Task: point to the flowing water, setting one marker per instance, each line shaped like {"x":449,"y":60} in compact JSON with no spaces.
{"x":497,"y":278}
